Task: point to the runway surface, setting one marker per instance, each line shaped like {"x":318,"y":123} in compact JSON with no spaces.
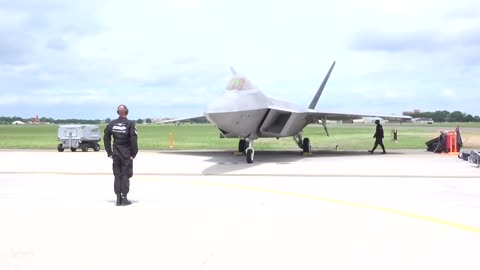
{"x":211,"y":210}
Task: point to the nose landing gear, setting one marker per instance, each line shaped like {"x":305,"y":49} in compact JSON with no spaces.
{"x":246,"y":147}
{"x":250,"y":154}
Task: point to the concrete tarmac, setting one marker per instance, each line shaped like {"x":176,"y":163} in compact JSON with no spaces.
{"x":211,"y":210}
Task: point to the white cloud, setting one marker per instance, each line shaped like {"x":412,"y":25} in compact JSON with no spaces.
{"x":154,"y":54}
{"x":449,"y":93}
{"x":8,"y":100}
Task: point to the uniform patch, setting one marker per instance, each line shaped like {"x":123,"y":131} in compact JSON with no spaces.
{"x":119,"y":129}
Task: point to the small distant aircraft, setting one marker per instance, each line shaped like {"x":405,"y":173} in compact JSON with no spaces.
{"x":244,"y":112}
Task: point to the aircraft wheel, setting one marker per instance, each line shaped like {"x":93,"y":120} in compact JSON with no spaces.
{"x":250,"y":153}
{"x":242,"y":146}
{"x":60,"y":147}
{"x":96,"y":147}
{"x":73,"y":149}
{"x":307,"y":148}
{"x":84,"y":148}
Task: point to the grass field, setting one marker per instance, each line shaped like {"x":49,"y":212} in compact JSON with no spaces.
{"x":206,"y":136}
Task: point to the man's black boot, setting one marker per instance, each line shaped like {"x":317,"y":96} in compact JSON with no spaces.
{"x":119,"y":200}
{"x":125,"y":201}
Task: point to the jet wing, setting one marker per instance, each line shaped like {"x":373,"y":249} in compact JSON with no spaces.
{"x":315,"y":116}
{"x":178,"y":120}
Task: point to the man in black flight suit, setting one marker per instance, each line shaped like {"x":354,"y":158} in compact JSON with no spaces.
{"x":378,"y":138}
{"x":125,"y":148}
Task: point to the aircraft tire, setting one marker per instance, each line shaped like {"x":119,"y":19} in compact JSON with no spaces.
{"x":307,"y":148}
{"x":250,"y":155}
{"x":96,"y":147}
{"x":60,"y":147}
{"x":84,"y":148}
{"x":73,"y":149}
{"x":242,"y":146}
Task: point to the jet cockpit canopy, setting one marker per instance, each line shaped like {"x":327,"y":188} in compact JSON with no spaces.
{"x":240,"y":83}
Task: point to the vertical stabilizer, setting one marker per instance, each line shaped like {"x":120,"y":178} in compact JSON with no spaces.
{"x":314,"y":102}
{"x":234,"y":72}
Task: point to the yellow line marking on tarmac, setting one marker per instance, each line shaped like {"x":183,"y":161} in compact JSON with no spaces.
{"x":286,"y":193}
{"x":330,"y":200}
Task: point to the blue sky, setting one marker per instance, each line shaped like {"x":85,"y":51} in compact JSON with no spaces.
{"x":168,"y":58}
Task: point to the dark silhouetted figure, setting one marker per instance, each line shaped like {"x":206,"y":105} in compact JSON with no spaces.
{"x":378,"y":138}
{"x":125,"y":148}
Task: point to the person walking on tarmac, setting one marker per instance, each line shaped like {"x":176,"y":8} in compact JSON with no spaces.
{"x":125,"y":148}
{"x":378,"y":138}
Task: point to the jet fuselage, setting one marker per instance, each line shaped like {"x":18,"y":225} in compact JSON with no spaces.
{"x":249,"y":114}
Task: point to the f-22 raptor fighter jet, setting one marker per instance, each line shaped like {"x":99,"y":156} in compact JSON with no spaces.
{"x":244,"y":112}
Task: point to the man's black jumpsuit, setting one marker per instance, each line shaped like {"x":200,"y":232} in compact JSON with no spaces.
{"x":378,"y":138}
{"x":125,"y":148}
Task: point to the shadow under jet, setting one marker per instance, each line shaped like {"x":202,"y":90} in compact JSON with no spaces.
{"x":228,"y":162}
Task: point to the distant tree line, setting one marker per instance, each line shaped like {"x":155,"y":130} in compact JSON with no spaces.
{"x":445,"y":116}
{"x":138,"y":121}
{"x":437,"y":116}
{"x":9,"y":120}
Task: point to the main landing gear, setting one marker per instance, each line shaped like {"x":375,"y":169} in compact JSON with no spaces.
{"x":303,"y":144}
{"x":246,"y":147}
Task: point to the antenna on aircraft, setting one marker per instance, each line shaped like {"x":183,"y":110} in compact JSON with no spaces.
{"x":234,"y":72}
{"x":314,"y":102}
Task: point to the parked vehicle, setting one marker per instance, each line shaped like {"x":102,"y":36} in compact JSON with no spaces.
{"x":78,"y":137}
